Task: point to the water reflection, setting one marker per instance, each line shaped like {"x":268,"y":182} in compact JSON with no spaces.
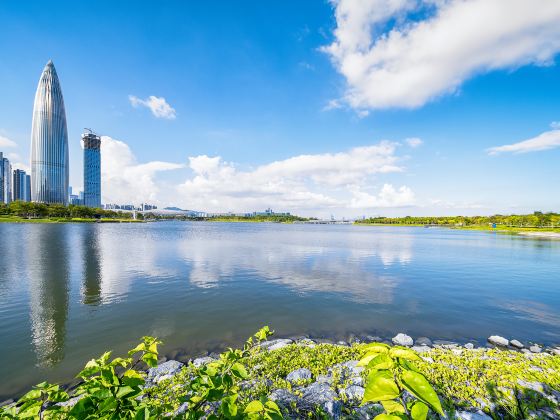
{"x":91,"y":265}
{"x":48,"y":292}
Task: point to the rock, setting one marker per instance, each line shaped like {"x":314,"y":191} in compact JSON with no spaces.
{"x":423,"y":341}
{"x":70,"y":402}
{"x":328,"y":379}
{"x":278,"y":346}
{"x":468,"y":415}
{"x":321,"y":395}
{"x":469,"y":346}
{"x":457,"y":352}
{"x":517,"y":344}
{"x":421,"y":349}
{"x":354,"y":393}
{"x":535,"y":348}
{"x":270,"y":343}
{"x":283,"y":397}
{"x":445,"y":344}
{"x":535,"y":386}
{"x":299,"y":375}
{"x":496,"y":340}
{"x":368,"y":411}
{"x":182,"y":409}
{"x":371,"y":339}
{"x":555,"y":351}
{"x":7,"y":402}
{"x":347,"y":370}
{"x":403,"y":340}
{"x":200,"y":361}
{"x":342,"y":343}
{"x":164,"y":371}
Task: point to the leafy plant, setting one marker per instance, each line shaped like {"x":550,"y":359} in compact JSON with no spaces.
{"x":391,"y":372}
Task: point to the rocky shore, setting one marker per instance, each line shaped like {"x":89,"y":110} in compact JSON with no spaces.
{"x":305,"y":376}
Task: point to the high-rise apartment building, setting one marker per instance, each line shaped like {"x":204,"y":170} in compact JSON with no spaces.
{"x":92,"y":169}
{"x":5,"y":180}
{"x":20,"y":186}
{"x":49,"y":141}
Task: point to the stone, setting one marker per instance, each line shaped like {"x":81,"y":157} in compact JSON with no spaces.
{"x":283,"y":397}
{"x":371,"y":339}
{"x":347,"y":370}
{"x":403,"y":340}
{"x":555,"y":351}
{"x":299,"y":375}
{"x":468,"y":415}
{"x":71,"y":402}
{"x":201,"y":361}
{"x":321,"y":395}
{"x":421,"y":349}
{"x":165,"y":371}
{"x":535,"y":386}
{"x":469,"y":346}
{"x":423,"y":341}
{"x":342,"y":343}
{"x":445,"y":344}
{"x":278,"y":346}
{"x":328,"y":379}
{"x":517,"y":344}
{"x":356,"y":380}
{"x":496,"y":340}
{"x":535,"y":348}
{"x":268,"y":344}
{"x":368,"y":411}
{"x":354,"y":393}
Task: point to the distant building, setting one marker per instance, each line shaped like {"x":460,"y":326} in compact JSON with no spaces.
{"x":74,"y":199}
{"x":5,"y":180}
{"x":21,"y":186}
{"x":92,"y":169}
{"x":147,"y":207}
{"x":49,"y":141}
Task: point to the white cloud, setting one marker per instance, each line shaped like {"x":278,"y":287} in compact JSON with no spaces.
{"x":304,"y":182}
{"x":159,"y":106}
{"x":6,"y":142}
{"x":555,"y":125}
{"x":391,"y":60}
{"x":544,"y":141}
{"x":124,"y":180}
{"x":414,"y":142}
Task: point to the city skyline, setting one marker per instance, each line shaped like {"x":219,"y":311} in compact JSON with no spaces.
{"x":291,"y":110}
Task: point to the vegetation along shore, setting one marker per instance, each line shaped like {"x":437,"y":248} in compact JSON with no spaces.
{"x":400,"y":378}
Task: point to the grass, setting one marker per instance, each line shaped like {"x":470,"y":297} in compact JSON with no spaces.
{"x":17,"y":219}
{"x":485,"y":228}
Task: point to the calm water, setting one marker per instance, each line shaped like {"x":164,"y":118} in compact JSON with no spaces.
{"x":70,"y":291}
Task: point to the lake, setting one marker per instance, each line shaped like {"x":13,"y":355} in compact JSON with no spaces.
{"x":68,"y":292}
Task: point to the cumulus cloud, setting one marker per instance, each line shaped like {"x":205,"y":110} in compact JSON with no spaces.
{"x":414,"y":142}
{"x":544,"y":141}
{"x":391,"y":58}
{"x":158,"y":106}
{"x":320,"y":181}
{"x":124,"y":180}
{"x":6,"y":142}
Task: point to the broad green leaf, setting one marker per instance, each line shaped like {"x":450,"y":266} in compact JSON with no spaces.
{"x":271,"y":406}
{"x":380,"y":386}
{"x":387,"y":417}
{"x":229,"y":406}
{"x":139,"y":347}
{"x":254,"y":407}
{"x":377,"y":347}
{"x":142,"y":414}
{"x":418,"y":385}
{"x":404,"y":353}
{"x":392,"y":406}
{"x":90,"y":368}
{"x":419,"y":411}
{"x":31,"y":395}
{"x":82,"y":408}
{"x":124,"y":391}
{"x":367,"y":358}
{"x":150,"y":359}
{"x":239,"y":370}
{"x":382,"y":361}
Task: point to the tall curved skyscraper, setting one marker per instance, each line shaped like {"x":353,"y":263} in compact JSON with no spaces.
{"x":49,"y":141}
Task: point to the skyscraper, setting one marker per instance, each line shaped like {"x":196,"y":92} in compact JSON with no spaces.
{"x":19,"y":186}
{"x":49,"y":141}
{"x":5,"y":180}
{"x":92,"y":169}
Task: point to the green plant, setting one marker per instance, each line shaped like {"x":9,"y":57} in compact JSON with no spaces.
{"x":391,"y":372}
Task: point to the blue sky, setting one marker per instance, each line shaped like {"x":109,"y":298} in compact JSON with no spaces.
{"x":307,"y":107}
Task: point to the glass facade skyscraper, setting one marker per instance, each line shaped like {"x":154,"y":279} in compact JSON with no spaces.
{"x":49,"y":141}
{"x":5,"y":180}
{"x":20,"y":186}
{"x":92,"y":169}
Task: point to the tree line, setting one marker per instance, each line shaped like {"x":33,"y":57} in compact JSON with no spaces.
{"x":30,"y":210}
{"x":537,"y":219}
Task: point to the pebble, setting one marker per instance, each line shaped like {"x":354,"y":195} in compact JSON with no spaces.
{"x":517,"y":344}
{"x":403,"y":340}
{"x":498,"y":341}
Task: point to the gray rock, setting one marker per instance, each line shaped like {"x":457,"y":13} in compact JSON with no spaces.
{"x":321,"y":395}
{"x":354,"y":393}
{"x":200,"y":361}
{"x":445,"y":344}
{"x":270,"y":343}
{"x":356,"y":380}
{"x":468,"y":415}
{"x":423,"y":341}
{"x":368,"y":411}
{"x":535,"y":348}
{"x":535,"y":386}
{"x":496,"y":340}
{"x":278,"y":346}
{"x":371,"y":339}
{"x":421,"y":349}
{"x":469,"y":346}
{"x":517,"y":344}
{"x":182,"y":409}
{"x":283,"y":397}
{"x":167,"y":370}
{"x":555,"y":351}
{"x":299,"y":375}
{"x":71,"y":402}
{"x":328,"y":379}
{"x":403,"y":340}
{"x":347,"y":370}
{"x":342,"y":343}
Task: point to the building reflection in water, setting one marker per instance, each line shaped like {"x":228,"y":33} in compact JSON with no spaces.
{"x":48,"y":290}
{"x":91,"y":264}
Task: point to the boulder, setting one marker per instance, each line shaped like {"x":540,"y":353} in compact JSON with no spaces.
{"x":320,"y":395}
{"x":445,"y":344}
{"x":423,"y":341}
{"x":283,"y":397}
{"x":164,"y":371}
{"x":270,"y":343}
{"x":496,"y":340}
{"x":535,"y":348}
{"x":368,"y":411}
{"x":354,"y":393}
{"x":469,"y":415}
{"x":517,"y":344}
{"x":421,"y":349}
{"x":403,"y":340}
{"x":299,"y":375}
{"x":469,"y":346}
{"x":200,"y":361}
